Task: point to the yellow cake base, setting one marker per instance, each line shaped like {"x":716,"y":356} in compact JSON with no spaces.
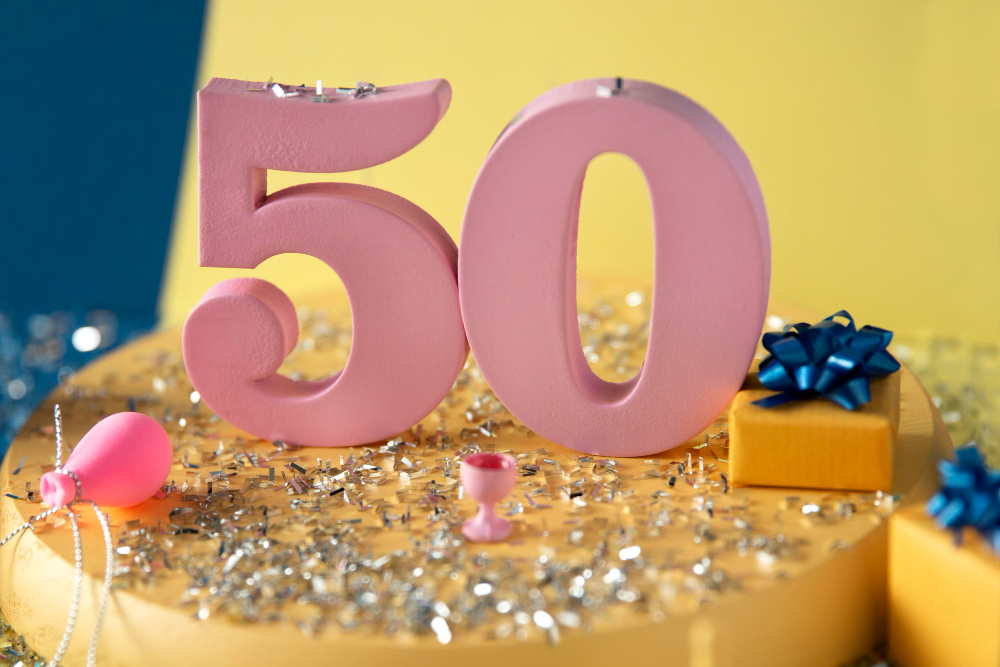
{"x":820,"y":608}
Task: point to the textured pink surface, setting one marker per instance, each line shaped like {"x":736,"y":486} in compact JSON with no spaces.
{"x":397,"y":264}
{"x":121,"y":462}
{"x":517,"y":268}
{"x":488,"y":477}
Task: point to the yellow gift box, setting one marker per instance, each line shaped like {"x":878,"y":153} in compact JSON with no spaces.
{"x":814,"y":443}
{"x":944,"y":599}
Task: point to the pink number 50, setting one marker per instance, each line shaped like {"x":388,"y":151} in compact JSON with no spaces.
{"x":396,"y":262}
{"x":517,"y":267}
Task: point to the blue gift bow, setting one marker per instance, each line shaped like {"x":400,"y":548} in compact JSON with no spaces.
{"x":828,"y":359}
{"x":969,"y":496}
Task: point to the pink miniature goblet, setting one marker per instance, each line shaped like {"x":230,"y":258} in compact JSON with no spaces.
{"x":488,"y":477}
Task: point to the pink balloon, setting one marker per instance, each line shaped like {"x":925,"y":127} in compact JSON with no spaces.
{"x":120,"y":462}
{"x":398,"y":265}
{"x":517,"y":267}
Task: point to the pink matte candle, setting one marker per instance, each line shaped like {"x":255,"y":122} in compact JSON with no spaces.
{"x":518,"y":265}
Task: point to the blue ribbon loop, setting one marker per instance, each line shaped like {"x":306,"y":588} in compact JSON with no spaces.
{"x":969,"y":496}
{"x":828,"y":359}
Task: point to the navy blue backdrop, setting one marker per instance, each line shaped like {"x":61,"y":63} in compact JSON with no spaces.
{"x":95,"y":104}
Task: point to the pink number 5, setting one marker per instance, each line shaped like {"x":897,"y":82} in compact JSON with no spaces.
{"x":517,"y":269}
{"x":397,"y":263}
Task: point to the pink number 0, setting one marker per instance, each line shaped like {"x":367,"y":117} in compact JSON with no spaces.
{"x":517,"y":267}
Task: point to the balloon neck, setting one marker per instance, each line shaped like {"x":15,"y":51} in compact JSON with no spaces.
{"x":59,"y":488}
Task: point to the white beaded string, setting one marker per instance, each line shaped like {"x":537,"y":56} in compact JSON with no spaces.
{"x":16,"y":532}
{"x":109,"y":563}
{"x":58,"y":420}
{"x":28,"y":524}
{"x":109,"y":567}
{"x":59,"y":447}
{"x":74,"y":605}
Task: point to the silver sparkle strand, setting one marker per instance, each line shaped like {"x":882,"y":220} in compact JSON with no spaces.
{"x":28,"y":524}
{"x":360,"y":89}
{"x":74,"y":606}
{"x":363,"y":88}
{"x":14,"y":533}
{"x":109,"y":567}
{"x":59,"y":439}
{"x":608,"y":91}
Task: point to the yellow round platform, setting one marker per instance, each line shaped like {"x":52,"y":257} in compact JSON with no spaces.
{"x":634,"y":561}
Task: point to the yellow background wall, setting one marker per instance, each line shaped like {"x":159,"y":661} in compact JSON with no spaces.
{"x":873,"y":126}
